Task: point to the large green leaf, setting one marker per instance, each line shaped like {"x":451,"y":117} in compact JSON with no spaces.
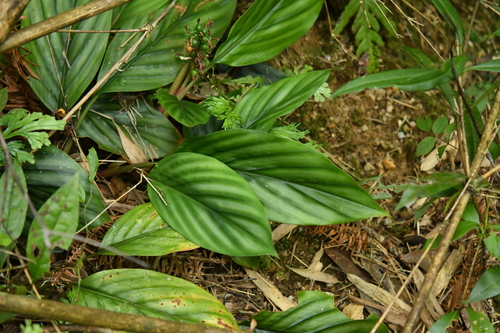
{"x":479,"y":323}
{"x":451,"y":16}
{"x":487,"y":286}
{"x":209,"y":204}
{"x":59,"y":213}
{"x":65,"y":63}
{"x":187,"y":113}
{"x":410,"y":79}
{"x":296,"y":183}
{"x":316,"y":312}
{"x":142,"y":232}
{"x":444,"y":322}
{"x":260,"y":107}
{"x":52,"y":169}
{"x":266,"y":29}
{"x":491,"y":66}
{"x":156,"y":62}
{"x":13,"y":207}
{"x":152,"y":294}
{"x":148,"y":128}
{"x":137,"y":7}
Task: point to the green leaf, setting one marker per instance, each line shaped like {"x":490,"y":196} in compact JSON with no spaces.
{"x":209,"y":204}
{"x":444,"y":322}
{"x":145,"y":126}
{"x":13,"y":206}
{"x":462,"y":228}
{"x":411,"y":79}
{"x":487,"y":286}
{"x":296,"y":183}
{"x":492,"y":243}
{"x":137,"y":7}
{"x":419,"y":57}
{"x":3,"y":98}
{"x":187,"y":113}
{"x":260,"y":107}
{"x":439,"y":125}
{"x":316,"y":312}
{"x":52,"y":169}
{"x":424,"y":123}
{"x":254,"y":37}
{"x":442,"y":184}
{"x":479,"y":323}
{"x":60,"y":214}
{"x":489,"y":66}
{"x":65,"y":63}
{"x":142,"y":232}
{"x":93,"y":160}
{"x":425,"y":146}
{"x":152,"y":294}
{"x":451,"y":16}
{"x":156,"y":62}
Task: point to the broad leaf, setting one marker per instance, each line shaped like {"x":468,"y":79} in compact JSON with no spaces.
{"x":266,"y":29}
{"x":65,"y":63}
{"x":462,"y":228}
{"x":135,"y":8}
{"x":425,"y":146}
{"x":13,"y":206}
{"x":490,"y":66}
{"x":316,"y":312}
{"x":156,"y":62}
{"x":187,"y":113}
{"x":438,"y":185}
{"x":209,"y":204}
{"x":59,"y":213}
{"x":411,"y":79}
{"x":479,"y":323}
{"x":444,"y":322}
{"x":260,"y":107}
{"x":52,"y":169}
{"x":296,"y":184}
{"x":142,"y":232}
{"x":145,"y":126}
{"x":492,"y":243}
{"x":152,"y":294}
{"x":451,"y":16}
{"x":487,"y":286}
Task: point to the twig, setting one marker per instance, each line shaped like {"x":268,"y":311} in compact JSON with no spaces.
{"x":59,"y":21}
{"x":456,"y":214}
{"x":147,"y":30}
{"x":97,"y":317}
{"x":11,"y":11}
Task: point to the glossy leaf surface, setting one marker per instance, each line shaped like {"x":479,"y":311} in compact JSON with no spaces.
{"x":152,"y":294}
{"x":59,"y":213}
{"x":490,"y":66}
{"x":266,"y":29}
{"x":315,"y":312}
{"x":187,"y":113}
{"x":444,"y":322}
{"x":142,"y":232}
{"x":296,"y":184}
{"x":210,"y":204}
{"x":260,"y":107}
{"x":13,"y":206}
{"x":487,"y":286}
{"x":65,"y":63}
{"x":148,"y":128}
{"x":411,"y":79}
{"x":156,"y":62}
{"x":52,"y":169}
{"x":492,"y":243}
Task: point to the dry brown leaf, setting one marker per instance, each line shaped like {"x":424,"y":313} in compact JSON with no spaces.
{"x":315,"y":275}
{"x":282,"y":230}
{"x":270,"y":290}
{"x":354,"y":311}
{"x":388,"y":164}
{"x":135,"y":155}
{"x":316,"y":261}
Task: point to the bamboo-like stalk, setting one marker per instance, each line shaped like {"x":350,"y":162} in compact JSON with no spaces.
{"x":11,"y":11}
{"x":57,"y":22}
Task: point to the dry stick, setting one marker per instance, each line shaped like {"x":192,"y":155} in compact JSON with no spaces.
{"x":11,"y":11}
{"x":57,"y":22}
{"x":96,"y":317}
{"x":147,"y":30}
{"x":440,"y":254}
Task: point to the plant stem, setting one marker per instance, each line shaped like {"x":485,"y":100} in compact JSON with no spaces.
{"x":57,"y":22}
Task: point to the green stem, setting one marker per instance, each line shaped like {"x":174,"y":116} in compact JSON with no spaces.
{"x":179,"y":79}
